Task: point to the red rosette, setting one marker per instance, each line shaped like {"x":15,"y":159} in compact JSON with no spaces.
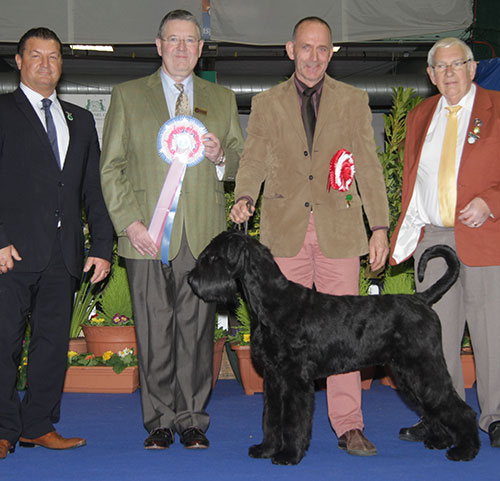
{"x":342,"y":171}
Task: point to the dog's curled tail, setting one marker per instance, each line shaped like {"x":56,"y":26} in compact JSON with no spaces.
{"x":436,"y":291}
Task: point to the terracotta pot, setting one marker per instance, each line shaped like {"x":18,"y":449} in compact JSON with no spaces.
{"x":78,"y":345}
{"x":251,"y":381}
{"x":109,"y":338}
{"x":468,"y":369}
{"x":101,"y":379}
{"x":218,"y":351}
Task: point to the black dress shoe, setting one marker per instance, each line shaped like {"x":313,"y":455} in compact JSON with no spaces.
{"x":194,"y":438}
{"x":159,"y":438}
{"x":494,"y":433}
{"x":416,"y":433}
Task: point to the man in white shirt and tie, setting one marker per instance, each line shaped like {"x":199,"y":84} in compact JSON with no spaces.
{"x":451,"y":195}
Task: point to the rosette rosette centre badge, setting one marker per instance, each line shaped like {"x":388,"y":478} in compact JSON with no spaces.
{"x":180,"y":138}
{"x":179,"y":144}
{"x":341,"y":173}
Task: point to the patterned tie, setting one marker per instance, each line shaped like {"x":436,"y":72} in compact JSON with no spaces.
{"x":51,"y":128}
{"x":182,"y":104}
{"x":447,"y":182}
{"x":309,"y":114}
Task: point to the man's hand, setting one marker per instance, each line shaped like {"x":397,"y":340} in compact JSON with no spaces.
{"x":241,"y":211}
{"x":475,"y":213}
{"x":213,"y":148}
{"x":139,"y":236}
{"x":379,"y":248}
{"x":7,"y":257}
{"x":102,"y":268}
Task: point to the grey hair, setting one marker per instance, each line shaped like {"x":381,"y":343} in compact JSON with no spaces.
{"x":179,"y":15}
{"x":449,"y":42}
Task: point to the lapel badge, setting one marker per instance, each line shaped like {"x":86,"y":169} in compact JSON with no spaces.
{"x":473,"y":136}
{"x":199,"y":110}
{"x":69,"y":116}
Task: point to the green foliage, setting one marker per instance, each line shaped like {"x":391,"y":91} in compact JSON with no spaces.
{"x":118,"y":361}
{"x":115,"y":299}
{"x":399,"y":280}
{"x":22,"y":370}
{"x":253,"y":222}
{"x":241,"y":334}
{"x":392,"y":157}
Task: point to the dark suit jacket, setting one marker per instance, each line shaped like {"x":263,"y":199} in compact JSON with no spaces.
{"x":35,"y":193}
{"x":478,"y":176}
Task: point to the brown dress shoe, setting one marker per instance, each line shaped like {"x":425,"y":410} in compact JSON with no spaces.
{"x":5,"y":448}
{"x":355,"y":443}
{"x":52,"y":440}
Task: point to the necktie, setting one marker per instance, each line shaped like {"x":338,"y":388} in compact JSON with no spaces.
{"x":51,"y":128}
{"x":309,"y":114}
{"x":447,"y":183}
{"x":182,"y":104}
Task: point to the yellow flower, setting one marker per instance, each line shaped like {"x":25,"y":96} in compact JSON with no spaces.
{"x":246,"y":337}
{"x":71,"y":354}
{"x":97,"y":321}
{"x":107,"y":355}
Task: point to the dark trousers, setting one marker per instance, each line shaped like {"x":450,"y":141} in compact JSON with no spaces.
{"x":175,"y":342}
{"x":48,"y":296}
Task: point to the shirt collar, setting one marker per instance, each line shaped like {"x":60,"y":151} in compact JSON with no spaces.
{"x":170,"y":82}
{"x":35,"y":98}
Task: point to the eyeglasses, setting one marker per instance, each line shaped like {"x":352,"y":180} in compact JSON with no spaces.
{"x":176,"y":41}
{"x":455,"y":66}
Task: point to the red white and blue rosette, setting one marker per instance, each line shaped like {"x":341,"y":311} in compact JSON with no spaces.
{"x":342,"y":171}
{"x":181,"y":137}
{"x":179,"y":144}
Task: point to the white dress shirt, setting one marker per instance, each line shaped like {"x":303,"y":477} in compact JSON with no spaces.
{"x":58,"y":115}
{"x":424,"y":205}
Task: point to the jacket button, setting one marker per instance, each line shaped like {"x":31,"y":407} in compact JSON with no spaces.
{"x":306,"y":153}
{"x":60,"y":184}
{"x":311,"y":177}
{"x":57,"y":213}
{"x":307,"y":204}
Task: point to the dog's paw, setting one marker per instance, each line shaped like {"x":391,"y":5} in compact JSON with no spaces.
{"x":434,"y":442}
{"x":260,"y":451}
{"x":286,"y":458}
{"x":461,"y":453}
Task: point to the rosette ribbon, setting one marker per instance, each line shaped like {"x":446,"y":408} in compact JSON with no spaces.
{"x":179,"y":144}
{"x":342,"y":171}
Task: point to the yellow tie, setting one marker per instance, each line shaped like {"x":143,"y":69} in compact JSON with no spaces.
{"x":447,"y":183}
{"x":182,"y":104}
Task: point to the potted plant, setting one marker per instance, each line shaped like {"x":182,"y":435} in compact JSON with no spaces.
{"x":110,"y":373}
{"x":240,"y":343}
{"x":111,"y":328}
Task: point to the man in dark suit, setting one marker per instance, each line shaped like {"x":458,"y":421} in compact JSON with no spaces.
{"x":174,"y":327}
{"x":463,"y":214}
{"x":49,"y":157}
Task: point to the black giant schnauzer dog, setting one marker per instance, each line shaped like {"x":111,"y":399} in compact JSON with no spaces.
{"x":299,"y":335}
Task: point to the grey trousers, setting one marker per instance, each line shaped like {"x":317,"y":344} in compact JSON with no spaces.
{"x":175,"y":332}
{"x":474,"y":298}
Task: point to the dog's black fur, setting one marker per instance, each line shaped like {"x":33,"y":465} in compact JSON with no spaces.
{"x":299,"y":335}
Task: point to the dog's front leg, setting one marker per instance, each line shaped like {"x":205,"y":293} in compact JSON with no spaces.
{"x":298,"y":408}
{"x":271,"y":420}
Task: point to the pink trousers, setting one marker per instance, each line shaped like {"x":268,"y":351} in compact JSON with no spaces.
{"x":339,"y":277}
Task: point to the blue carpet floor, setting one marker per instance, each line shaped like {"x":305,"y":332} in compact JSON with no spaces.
{"x":111,"y":423}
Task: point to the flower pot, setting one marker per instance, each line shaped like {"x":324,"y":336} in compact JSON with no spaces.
{"x":251,"y":381}
{"x":468,"y":369}
{"x":101,"y":379}
{"x":109,"y":338}
{"x":78,"y":345}
{"x":218,"y":351}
